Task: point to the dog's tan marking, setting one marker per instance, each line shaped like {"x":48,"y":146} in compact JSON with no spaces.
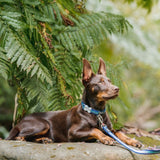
{"x":44,"y":140}
{"x":102,"y":80}
{"x":101,"y":96}
{"x":97,"y":134}
{"x":42,"y":132}
{"x":128,"y":140}
{"x":20,"y":138}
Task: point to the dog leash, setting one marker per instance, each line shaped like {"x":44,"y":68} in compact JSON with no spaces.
{"x":105,"y":128}
{"x":144,"y":152}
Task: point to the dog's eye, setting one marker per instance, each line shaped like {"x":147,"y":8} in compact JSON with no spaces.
{"x":109,"y":80}
{"x":101,"y":81}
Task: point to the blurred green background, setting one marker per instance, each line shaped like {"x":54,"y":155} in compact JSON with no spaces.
{"x":137,"y":58}
{"x":139,"y":53}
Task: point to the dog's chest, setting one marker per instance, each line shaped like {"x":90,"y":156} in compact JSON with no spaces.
{"x":91,"y":121}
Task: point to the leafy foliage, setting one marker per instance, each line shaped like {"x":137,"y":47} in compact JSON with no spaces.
{"x":147,"y":4}
{"x":140,"y":47}
{"x":42,"y":44}
{"x":92,"y":29}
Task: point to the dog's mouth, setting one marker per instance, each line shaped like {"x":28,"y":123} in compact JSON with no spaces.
{"x":110,"y":97}
{"x":103,"y":96}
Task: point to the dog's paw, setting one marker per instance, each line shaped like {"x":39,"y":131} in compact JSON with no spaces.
{"x":20,"y":139}
{"x":128,"y":140}
{"x":44,"y":140}
{"x":135,"y":143}
{"x":107,"y":140}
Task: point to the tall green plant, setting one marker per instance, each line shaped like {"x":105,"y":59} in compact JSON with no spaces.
{"x":42,"y":44}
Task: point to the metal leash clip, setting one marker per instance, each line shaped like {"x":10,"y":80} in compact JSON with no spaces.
{"x":100,"y":120}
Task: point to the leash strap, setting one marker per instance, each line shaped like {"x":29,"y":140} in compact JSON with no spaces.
{"x":144,"y":152}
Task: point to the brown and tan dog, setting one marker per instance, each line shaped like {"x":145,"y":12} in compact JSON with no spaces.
{"x":75,"y":124}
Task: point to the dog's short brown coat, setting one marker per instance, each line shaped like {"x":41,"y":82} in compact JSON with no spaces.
{"x":75,"y":124}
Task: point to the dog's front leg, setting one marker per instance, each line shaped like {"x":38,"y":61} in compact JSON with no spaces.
{"x":99,"y":135}
{"x":128,"y":140}
{"x":80,"y":135}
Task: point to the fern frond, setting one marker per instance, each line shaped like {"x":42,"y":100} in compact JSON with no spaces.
{"x":42,"y":98}
{"x":32,"y":3}
{"x":68,"y":65}
{"x":44,"y":42}
{"x":18,"y":53}
{"x":8,"y":1}
{"x":57,"y":14}
{"x":13,"y":19}
{"x":36,"y":92}
{"x":4,"y":64}
{"x":91,"y":29}
{"x":56,"y":99}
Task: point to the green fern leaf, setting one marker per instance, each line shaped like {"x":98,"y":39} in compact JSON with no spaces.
{"x":4,"y":65}
{"x":92,"y":29}
{"x":17,"y":52}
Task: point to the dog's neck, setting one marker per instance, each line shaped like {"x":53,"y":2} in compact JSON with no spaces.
{"x":92,"y":102}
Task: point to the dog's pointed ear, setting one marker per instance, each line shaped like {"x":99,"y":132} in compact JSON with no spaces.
{"x":87,"y":72}
{"x":102,"y":67}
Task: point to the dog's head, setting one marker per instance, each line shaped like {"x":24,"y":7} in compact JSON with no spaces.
{"x":98,"y":85}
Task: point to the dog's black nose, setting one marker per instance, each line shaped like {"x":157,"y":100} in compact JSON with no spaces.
{"x":116,"y":89}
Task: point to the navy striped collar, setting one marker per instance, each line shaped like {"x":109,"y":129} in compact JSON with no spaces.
{"x":91,"y":110}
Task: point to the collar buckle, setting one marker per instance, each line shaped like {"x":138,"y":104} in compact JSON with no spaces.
{"x":91,"y":110}
{"x":87,"y":109}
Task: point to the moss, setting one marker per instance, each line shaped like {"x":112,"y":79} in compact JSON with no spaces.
{"x":53,"y":156}
{"x":146,"y":141}
{"x":70,"y":148}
